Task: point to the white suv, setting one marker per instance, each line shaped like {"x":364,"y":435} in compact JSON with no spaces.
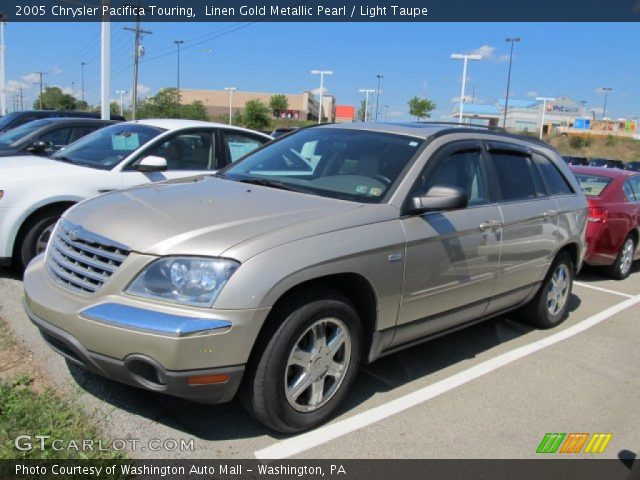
{"x":35,"y":191}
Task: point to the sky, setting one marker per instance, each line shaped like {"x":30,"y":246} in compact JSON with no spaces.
{"x":552,"y":59}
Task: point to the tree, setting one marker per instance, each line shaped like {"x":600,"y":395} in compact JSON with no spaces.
{"x":278,"y":103}
{"x":165,"y":104}
{"x":256,"y":115}
{"x":421,"y":107}
{"x":114,"y":108}
{"x":361,"y":111}
{"x":53,"y":98}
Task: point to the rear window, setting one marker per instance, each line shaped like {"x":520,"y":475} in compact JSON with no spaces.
{"x":592,"y":185}
{"x":554,"y":180}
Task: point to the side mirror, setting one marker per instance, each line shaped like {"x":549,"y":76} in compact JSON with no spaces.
{"x":439,"y":198}
{"x":152,"y":163}
{"x":40,"y":146}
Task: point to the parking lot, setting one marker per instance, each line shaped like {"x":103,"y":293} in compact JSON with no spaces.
{"x":490,"y":391}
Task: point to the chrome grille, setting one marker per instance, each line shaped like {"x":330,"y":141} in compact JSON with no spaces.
{"x":81,"y":260}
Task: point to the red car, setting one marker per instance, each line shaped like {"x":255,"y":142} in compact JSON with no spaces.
{"x":613,"y":232}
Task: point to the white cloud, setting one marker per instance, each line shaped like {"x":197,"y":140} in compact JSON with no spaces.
{"x":143,"y":91}
{"x":396,"y":114}
{"x":597,"y":110}
{"x":489,"y":53}
{"x":316,"y":91}
{"x":532,"y":94}
{"x":31,"y":78}
{"x":467,"y":99}
{"x":601,"y":90}
{"x":56,"y":71}
{"x":14,"y":86}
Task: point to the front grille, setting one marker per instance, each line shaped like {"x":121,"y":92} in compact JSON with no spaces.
{"x":81,"y":260}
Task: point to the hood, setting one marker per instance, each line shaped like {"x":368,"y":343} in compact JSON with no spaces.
{"x":26,"y":167}
{"x":199,"y":215}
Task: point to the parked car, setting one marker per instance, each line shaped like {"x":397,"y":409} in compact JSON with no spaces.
{"x":46,"y":136}
{"x":576,"y":160}
{"x":606,"y":163}
{"x":633,"y":166}
{"x":614,"y":218}
{"x":278,"y":285}
{"x":15,"y":119}
{"x":36,"y":192}
{"x":279,"y":132}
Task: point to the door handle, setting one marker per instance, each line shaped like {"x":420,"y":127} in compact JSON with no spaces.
{"x":549,"y":214}
{"x":490,"y":225}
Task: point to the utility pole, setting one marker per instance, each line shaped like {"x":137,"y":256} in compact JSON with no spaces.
{"x":136,"y":58}
{"x":82,"y":64}
{"x":366,"y":92}
{"x":506,"y":100}
{"x":3,"y":97}
{"x":105,"y":63}
{"x":41,"y":85}
{"x":230,"y":90}
{"x":322,"y":73}
{"x":380,"y":77}
{"x":606,"y":91}
{"x":178,"y":43}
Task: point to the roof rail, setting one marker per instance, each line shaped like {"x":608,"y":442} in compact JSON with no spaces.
{"x":465,"y":125}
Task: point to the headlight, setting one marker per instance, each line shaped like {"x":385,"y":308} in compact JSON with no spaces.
{"x":185,"y":280}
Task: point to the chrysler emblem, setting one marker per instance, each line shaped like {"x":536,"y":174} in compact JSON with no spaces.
{"x":74,"y":233}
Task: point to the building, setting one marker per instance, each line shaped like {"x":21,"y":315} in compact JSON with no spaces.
{"x":301,"y":106}
{"x":345,"y":113}
{"x":524,"y":115}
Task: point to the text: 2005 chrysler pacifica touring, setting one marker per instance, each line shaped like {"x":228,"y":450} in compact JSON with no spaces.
{"x":335,"y":245}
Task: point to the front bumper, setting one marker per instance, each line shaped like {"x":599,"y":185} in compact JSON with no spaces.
{"x":150,"y":345}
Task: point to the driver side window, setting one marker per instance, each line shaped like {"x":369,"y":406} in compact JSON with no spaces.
{"x":462,"y":169}
{"x":187,"y":151}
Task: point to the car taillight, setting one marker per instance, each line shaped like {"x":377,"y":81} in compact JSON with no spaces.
{"x":597,"y":215}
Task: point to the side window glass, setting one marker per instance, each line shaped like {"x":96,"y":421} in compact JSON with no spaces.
{"x":462,"y":169}
{"x":628,"y":191}
{"x":80,"y":132}
{"x":187,"y":151}
{"x":238,"y":145}
{"x":58,"y":138}
{"x":635,"y":184}
{"x":555,"y":181}
{"x":514,"y":176}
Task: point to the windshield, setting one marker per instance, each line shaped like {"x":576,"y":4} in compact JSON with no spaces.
{"x":592,"y":185}
{"x":108,"y":146}
{"x":353,"y":165}
{"x":16,"y":134}
{"x":8,"y":119}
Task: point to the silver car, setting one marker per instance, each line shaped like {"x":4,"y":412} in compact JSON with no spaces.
{"x":275,"y":277}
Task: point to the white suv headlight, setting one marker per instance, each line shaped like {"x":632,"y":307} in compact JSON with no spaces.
{"x":195,"y":281}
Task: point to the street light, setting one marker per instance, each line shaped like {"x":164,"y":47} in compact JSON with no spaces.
{"x":3,"y":97}
{"x":386,"y":108}
{"x":178,"y":43}
{"x":465,"y":57}
{"x":544,"y":101}
{"x":366,"y":92}
{"x":322,"y":73}
{"x":506,"y":100}
{"x":121,"y":92}
{"x":230,"y":90}
{"x":584,"y":107}
{"x":380,"y":77}
{"x":606,"y":91}
{"x":82,"y":64}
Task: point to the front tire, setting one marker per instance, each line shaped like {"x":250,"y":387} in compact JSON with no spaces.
{"x":308,"y":365}
{"x":621,"y":268}
{"x":550,"y":305}
{"x":35,"y":237}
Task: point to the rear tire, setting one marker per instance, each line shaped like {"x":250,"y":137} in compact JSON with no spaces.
{"x":621,"y":268}
{"x":550,"y":305}
{"x":298,"y":382}
{"x":35,"y":236}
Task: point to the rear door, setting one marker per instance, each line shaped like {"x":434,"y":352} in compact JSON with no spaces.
{"x":530,"y":224}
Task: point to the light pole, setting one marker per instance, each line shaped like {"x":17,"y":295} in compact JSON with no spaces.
{"x":121,"y":92}
{"x":73,"y":89}
{"x":506,"y":100}
{"x":230,"y":90}
{"x":366,"y":92}
{"x":544,"y":101}
{"x":584,"y":107}
{"x":380,"y":77}
{"x":386,"y":107}
{"x":82,"y":64}
{"x":178,"y":43}
{"x":606,"y":91}
{"x":465,"y":58}
{"x":322,"y":73}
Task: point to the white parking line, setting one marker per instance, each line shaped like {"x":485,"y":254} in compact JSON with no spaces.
{"x":606,"y":290}
{"x":319,"y":436}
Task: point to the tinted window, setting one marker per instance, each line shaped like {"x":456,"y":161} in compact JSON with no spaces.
{"x":349,"y":164}
{"x":635,"y":185}
{"x":514,"y":176}
{"x":592,"y":185}
{"x":238,"y":145}
{"x":187,"y":151}
{"x":58,"y":138}
{"x":463,"y":170}
{"x":16,"y":134}
{"x":554,"y":180}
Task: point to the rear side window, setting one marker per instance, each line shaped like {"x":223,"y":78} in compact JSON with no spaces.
{"x":592,"y":185}
{"x":554,"y":180}
{"x":635,"y":184}
{"x":514,"y":176}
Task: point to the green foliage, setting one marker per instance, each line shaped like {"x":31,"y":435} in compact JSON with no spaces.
{"x":579,"y":142}
{"x":114,"y":108}
{"x":361,"y":111}
{"x":611,"y":140}
{"x":278,"y":103}
{"x":53,"y":98}
{"x":421,"y":107}
{"x":23,"y":411}
{"x":165,"y":104}
{"x":256,"y":115}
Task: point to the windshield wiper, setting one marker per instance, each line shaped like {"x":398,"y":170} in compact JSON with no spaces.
{"x":265,"y":182}
{"x":64,"y":159}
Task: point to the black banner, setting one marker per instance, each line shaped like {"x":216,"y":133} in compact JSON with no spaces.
{"x":544,"y":469}
{"x":321,"y":11}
